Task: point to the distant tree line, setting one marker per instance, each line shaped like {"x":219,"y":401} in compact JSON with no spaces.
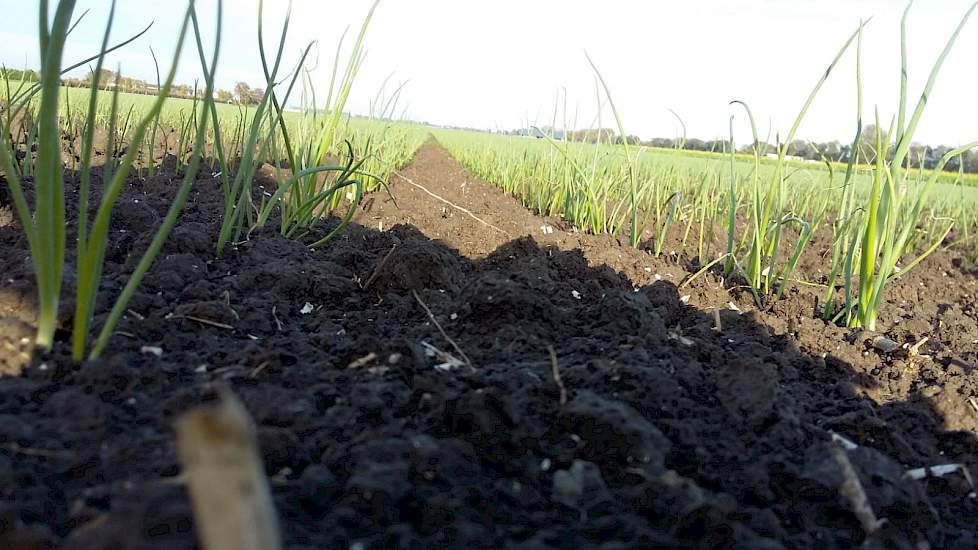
{"x":586,"y":136}
{"x":18,"y":75}
{"x":834,"y":151}
{"x":111,"y":80}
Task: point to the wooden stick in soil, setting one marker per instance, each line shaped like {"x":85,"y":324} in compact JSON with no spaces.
{"x":556,"y":374}
{"x":380,"y":266}
{"x":228,"y":489}
{"x":853,"y":491}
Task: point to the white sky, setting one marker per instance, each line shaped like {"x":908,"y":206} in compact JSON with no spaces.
{"x":500,"y":63}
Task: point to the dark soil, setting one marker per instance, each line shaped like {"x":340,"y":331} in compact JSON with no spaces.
{"x":674,"y":434}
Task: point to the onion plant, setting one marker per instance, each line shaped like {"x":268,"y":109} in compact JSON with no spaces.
{"x":151,"y":144}
{"x":318,"y":185}
{"x":767,"y":206}
{"x":316,"y":140}
{"x":602,"y":187}
{"x":635,"y":230}
{"x":894,"y":206}
{"x":846,"y":216}
{"x":45,"y":229}
{"x":238,"y":213}
{"x":303,"y":198}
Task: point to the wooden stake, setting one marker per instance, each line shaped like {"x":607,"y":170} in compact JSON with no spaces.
{"x":225,"y":478}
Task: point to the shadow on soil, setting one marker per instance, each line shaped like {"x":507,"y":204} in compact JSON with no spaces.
{"x":673,"y":434}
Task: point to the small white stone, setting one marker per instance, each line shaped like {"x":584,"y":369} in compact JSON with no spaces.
{"x":152,"y":350}
{"x":306,"y":309}
{"x":846,"y":443}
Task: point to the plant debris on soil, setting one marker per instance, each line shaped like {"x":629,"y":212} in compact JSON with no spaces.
{"x":455,"y":371}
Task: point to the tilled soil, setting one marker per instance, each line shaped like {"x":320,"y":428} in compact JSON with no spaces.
{"x":590,"y":402}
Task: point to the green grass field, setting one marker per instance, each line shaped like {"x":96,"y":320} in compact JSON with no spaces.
{"x":805,"y":178}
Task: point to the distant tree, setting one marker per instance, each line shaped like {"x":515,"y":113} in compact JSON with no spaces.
{"x":844,"y":152}
{"x":243,"y":92}
{"x":798,"y":148}
{"x":106,"y":78}
{"x":831,"y":150}
{"x":181,"y":90}
{"x":717,"y":145}
{"x":953,"y":164}
{"x":971,"y":162}
{"x":224,"y":96}
{"x":664,"y":143}
{"x":17,"y":75}
{"x":917,"y":154}
{"x":867,"y":144}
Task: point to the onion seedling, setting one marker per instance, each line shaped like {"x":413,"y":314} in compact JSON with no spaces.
{"x":767,"y":205}
{"x":45,"y":230}
{"x":197,"y":153}
{"x":238,"y":200}
{"x":893,"y":209}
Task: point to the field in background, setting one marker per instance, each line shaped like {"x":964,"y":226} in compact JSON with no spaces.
{"x":501,"y":158}
{"x":952,"y":186}
{"x":386,"y":144}
{"x":545,"y":178}
{"x":806,"y":176}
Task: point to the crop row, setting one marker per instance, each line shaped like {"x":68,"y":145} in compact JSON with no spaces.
{"x":884,"y":211}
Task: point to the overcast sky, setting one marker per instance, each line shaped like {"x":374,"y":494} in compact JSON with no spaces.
{"x":499,"y":63}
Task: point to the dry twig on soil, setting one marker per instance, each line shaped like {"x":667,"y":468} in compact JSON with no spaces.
{"x":556,"y":374}
{"x":453,"y":205}
{"x":380,"y":266}
{"x":441,"y":330}
{"x":852,"y":490}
